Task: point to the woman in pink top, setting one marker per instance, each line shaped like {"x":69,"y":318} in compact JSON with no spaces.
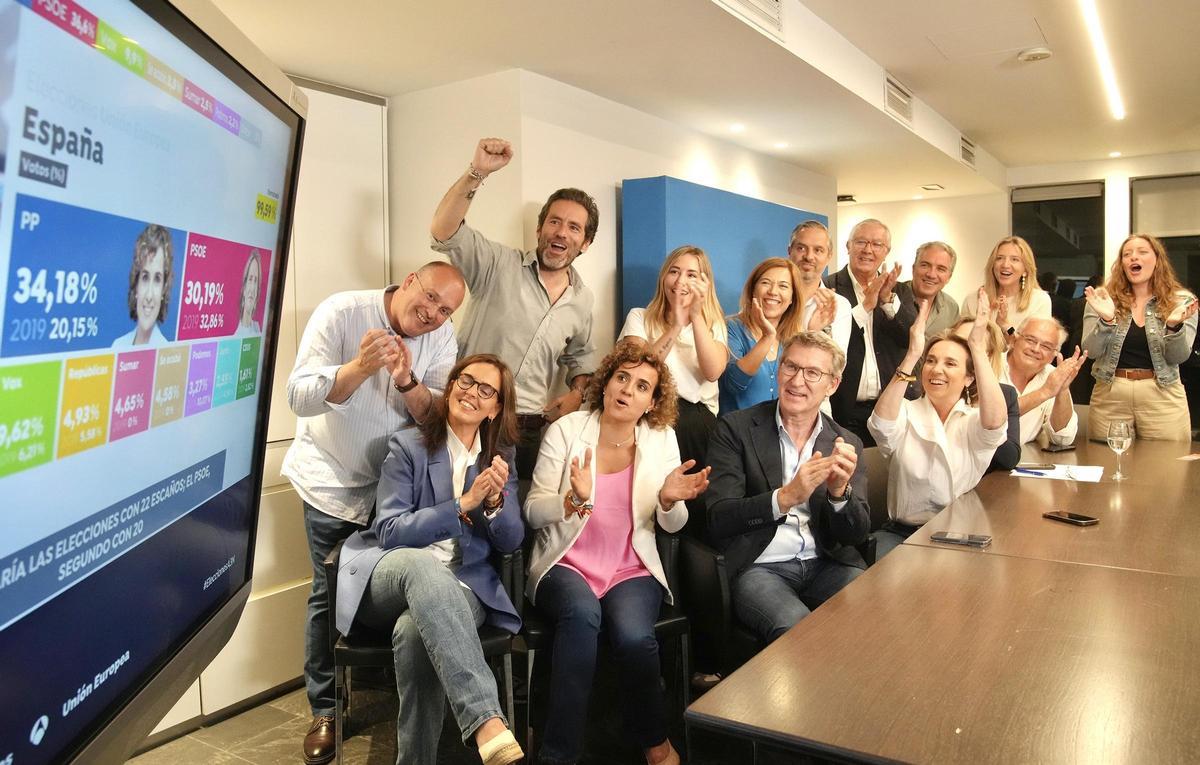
{"x":604,"y":478}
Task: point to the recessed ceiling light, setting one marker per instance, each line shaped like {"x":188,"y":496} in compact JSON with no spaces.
{"x":919,"y":196}
{"x":737,"y":127}
{"x":781,"y":145}
{"x":1114,"y":154}
{"x":934,"y":187}
{"x":1091,"y":19}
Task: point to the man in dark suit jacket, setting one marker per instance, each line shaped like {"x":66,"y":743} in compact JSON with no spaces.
{"x":787,"y":494}
{"x":879,"y":332}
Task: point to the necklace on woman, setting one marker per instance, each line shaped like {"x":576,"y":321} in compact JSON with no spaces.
{"x":619,"y":444}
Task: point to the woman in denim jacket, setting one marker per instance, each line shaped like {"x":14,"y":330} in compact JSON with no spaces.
{"x":1139,"y":328}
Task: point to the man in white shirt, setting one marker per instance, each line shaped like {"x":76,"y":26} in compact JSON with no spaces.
{"x":787,"y":494}
{"x":879,"y":333}
{"x":1044,"y":389}
{"x":369,"y":364}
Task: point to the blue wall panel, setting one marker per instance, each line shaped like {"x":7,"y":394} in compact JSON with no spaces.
{"x":660,"y":214}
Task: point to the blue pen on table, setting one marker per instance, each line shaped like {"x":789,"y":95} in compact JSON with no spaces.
{"x":1027,"y":471}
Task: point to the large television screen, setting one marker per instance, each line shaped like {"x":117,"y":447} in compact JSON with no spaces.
{"x":146,"y":185}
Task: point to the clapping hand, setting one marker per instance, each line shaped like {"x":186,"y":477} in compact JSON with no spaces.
{"x":808,"y":477}
{"x":488,"y":485}
{"x":377,"y":349}
{"x":843,"y":462}
{"x":765,"y":327}
{"x":581,"y":485}
{"x":1002,"y":311}
{"x":401,"y":368}
{"x":825,"y":312}
{"x":1065,"y":371}
{"x":978,"y":338}
{"x":681,"y":309}
{"x":1102,"y":303}
{"x":1182,"y":313}
{"x":699,"y":286}
{"x":879,"y":289}
{"x":490,"y":155}
{"x":681,"y":485}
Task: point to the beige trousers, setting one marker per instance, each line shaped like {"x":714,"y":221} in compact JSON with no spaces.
{"x":1158,"y":413}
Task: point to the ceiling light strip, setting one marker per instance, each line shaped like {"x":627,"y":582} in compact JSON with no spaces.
{"x":1091,"y":19}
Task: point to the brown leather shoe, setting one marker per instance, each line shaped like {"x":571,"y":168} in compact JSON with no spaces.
{"x":320,"y":743}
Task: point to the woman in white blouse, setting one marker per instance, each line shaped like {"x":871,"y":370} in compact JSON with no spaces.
{"x":1010,"y":279}
{"x":939,"y":444}
{"x":684,"y":326}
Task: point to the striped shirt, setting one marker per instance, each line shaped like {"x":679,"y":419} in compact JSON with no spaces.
{"x":335,"y":459}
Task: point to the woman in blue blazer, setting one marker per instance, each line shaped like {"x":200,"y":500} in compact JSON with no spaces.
{"x":446,"y":499}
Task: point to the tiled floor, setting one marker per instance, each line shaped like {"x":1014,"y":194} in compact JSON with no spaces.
{"x":270,"y":734}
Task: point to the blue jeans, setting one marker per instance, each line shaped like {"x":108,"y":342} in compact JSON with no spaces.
{"x":323,"y":532}
{"x":628,"y":612}
{"x":891,"y":536}
{"x":434,"y":621}
{"x":766,"y":596}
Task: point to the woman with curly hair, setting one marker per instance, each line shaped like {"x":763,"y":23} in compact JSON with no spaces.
{"x":149,"y":298}
{"x":604,"y":479}
{"x":1139,"y":328}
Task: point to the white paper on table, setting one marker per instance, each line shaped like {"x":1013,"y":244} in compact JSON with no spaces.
{"x":1085,"y":473}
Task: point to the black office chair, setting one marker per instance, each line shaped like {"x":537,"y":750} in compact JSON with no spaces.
{"x":720,"y":638}
{"x":672,"y":624}
{"x":369,"y":648}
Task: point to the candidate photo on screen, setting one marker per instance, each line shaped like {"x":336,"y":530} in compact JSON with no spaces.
{"x":149,"y":295}
{"x":251,"y":290}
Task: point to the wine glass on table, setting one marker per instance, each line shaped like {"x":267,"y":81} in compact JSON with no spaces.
{"x":1120,"y":438}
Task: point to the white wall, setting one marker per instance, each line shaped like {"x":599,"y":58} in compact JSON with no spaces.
{"x":431,"y":138}
{"x":1116,"y":174}
{"x":562,"y":136}
{"x":971,"y":225}
{"x":573,"y":137}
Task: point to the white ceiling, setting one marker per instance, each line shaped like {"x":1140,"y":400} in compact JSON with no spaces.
{"x":694,"y":64}
{"x":960,"y":58}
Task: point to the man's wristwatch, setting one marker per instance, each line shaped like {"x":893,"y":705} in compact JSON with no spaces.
{"x":845,"y":495}
{"x":412,"y":383}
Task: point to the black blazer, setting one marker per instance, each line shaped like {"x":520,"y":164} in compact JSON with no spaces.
{"x":891,"y":342}
{"x":747,"y":467}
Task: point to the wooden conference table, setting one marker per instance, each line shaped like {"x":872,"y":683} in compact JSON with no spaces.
{"x":1056,"y":644}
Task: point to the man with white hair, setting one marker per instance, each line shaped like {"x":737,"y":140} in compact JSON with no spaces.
{"x":879,"y":332}
{"x":1044,"y":389}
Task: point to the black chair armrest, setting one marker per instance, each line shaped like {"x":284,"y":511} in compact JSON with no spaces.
{"x":668,"y":555}
{"x":705,"y":589}
{"x":331,"y":573}
{"x":866,"y":549}
{"x":511,"y":568}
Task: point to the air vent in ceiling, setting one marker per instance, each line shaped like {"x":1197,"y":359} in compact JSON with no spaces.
{"x":764,"y":15}
{"x":898,"y":100}
{"x":966,"y":151}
